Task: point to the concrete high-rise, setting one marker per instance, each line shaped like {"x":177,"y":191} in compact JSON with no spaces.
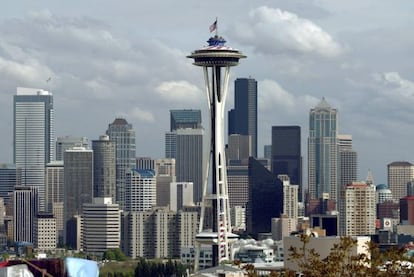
{"x":123,"y":134}
{"x":322,"y":151}
{"x":54,"y":193}
{"x":78,"y":188}
{"x":165,"y":175}
{"x":399,"y":174}
{"x":243,"y":118}
{"x":140,"y":190}
{"x":287,"y":154}
{"x":357,"y":210}
{"x":104,"y":168}
{"x":348,"y":161}
{"x":101,"y":225}
{"x":25,"y":209}
{"x":33,"y":135}
{"x":181,"y":194}
{"x":67,"y":142}
{"x":239,"y":147}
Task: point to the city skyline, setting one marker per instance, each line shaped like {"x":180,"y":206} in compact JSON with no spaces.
{"x":101,"y":67}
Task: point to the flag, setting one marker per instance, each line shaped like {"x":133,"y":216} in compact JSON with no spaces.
{"x":213,"y":26}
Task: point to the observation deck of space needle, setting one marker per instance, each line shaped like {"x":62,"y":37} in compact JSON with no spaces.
{"x":216,"y":59}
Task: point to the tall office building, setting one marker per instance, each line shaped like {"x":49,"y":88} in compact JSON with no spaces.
{"x":122,"y":133}
{"x":183,"y":119}
{"x":67,"y":142}
{"x":348,"y":161}
{"x":78,"y":188}
{"x":399,"y":174}
{"x":25,"y":209}
{"x":54,"y":194}
{"x":243,"y":118}
{"x":189,"y":163}
{"x":54,"y":184}
{"x":265,"y":198}
{"x":184,"y":143}
{"x":33,"y":136}
{"x":44,"y":232}
{"x":322,"y":151}
{"x":238,"y":182}
{"x":357,"y":210}
{"x":165,"y":175}
{"x":10,"y":176}
{"x":104,"y":168}
{"x":140,"y":190}
{"x":239,"y":147}
{"x":287,"y":155}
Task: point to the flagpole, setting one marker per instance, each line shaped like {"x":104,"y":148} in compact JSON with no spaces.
{"x":216,"y":27}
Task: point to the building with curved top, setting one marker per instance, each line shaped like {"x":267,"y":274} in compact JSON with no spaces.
{"x":399,"y":173}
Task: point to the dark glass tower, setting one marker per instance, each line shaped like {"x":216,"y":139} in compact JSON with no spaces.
{"x":286,"y":154}
{"x":182,"y":119}
{"x":265,"y":198}
{"x":243,"y":118}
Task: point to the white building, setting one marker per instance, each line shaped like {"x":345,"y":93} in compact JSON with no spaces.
{"x":101,"y":225}
{"x":238,"y":218}
{"x":283,"y":226}
{"x":357,"y":209}
{"x":45,"y":233}
{"x":140,"y":190}
{"x":158,"y":233}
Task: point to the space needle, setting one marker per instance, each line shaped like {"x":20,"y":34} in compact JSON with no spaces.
{"x":216,"y":59}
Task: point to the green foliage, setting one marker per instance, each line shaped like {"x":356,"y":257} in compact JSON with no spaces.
{"x":158,"y":269}
{"x":341,"y":261}
{"x":114,"y":255}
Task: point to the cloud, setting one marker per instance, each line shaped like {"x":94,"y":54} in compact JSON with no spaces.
{"x":179,"y":92}
{"x":273,"y":96}
{"x":138,"y":114}
{"x":272,"y":31}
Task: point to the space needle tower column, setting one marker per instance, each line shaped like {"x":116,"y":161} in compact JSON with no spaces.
{"x":216,"y":60}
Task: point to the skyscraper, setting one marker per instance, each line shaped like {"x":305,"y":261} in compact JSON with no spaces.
{"x":399,"y":174}
{"x":10,"y":176}
{"x":67,"y":142}
{"x":287,"y":155}
{"x":123,"y":134}
{"x":78,"y":188}
{"x":104,"y":168}
{"x":183,"y":119}
{"x":25,"y":209}
{"x":33,"y":136}
{"x":265,"y":198}
{"x":322,"y":151}
{"x":243,"y":118}
{"x":348,"y":161}
{"x":165,"y":175}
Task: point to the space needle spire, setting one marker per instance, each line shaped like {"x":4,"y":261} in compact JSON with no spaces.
{"x":216,"y":59}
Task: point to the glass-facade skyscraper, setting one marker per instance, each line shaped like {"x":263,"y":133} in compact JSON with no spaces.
{"x":286,"y":154}
{"x":243,"y":118}
{"x":322,"y":151}
{"x":33,"y":136}
{"x":122,"y":133}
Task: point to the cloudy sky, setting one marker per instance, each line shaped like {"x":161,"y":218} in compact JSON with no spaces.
{"x":128,"y":58}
